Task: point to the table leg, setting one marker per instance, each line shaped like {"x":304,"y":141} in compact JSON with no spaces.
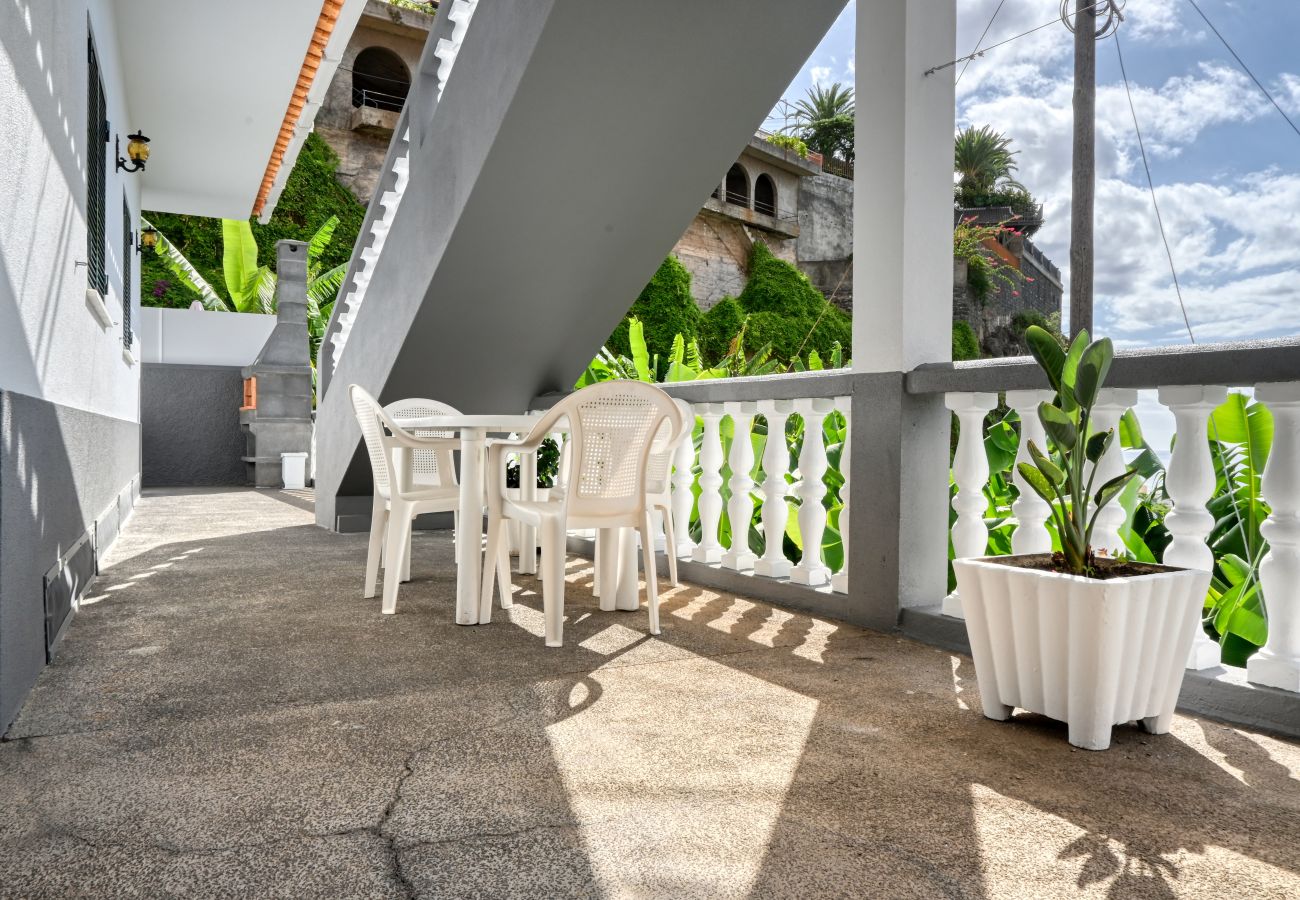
{"x":607,"y":558}
{"x":629,"y":594}
{"x":527,"y":533}
{"x":469,"y":535}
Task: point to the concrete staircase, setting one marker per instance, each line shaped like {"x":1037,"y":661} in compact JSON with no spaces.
{"x":545,"y":178}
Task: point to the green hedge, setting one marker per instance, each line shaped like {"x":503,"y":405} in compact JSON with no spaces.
{"x":964,"y":343}
{"x":721,"y":323}
{"x":665,"y":308}
{"x":311,"y":195}
{"x":786,"y":311}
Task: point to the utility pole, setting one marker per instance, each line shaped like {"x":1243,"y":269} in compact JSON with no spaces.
{"x":1093,"y":20}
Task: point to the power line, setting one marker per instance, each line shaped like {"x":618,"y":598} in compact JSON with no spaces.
{"x":969,"y":56}
{"x":980,"y":41}
{"x":1151,"y":185}
{"x":1245,"y":68}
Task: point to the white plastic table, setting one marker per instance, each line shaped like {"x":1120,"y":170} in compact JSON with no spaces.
{"x":473,"y":431}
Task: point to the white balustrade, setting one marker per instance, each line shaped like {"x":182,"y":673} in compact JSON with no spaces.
{"x":740,"y":509}
{"x":776,"y":463}
{"x":1031,"y":510}
{"x":811,"y":489}
{"x":840,"y":580}
{"x":1189,"y":481}
{"x":970,"y":468}
{"x":683,"y":499}
{"x":709,"y":549}
{"x":1111,"y":404}
{"x":1277,"y":664}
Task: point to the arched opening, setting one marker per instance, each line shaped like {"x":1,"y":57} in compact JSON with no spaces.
{"x":738,"y":186}
{"x":765,"y":195}
{"x":380,"y":79}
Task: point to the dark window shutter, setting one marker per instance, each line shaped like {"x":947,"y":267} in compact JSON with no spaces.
{"x":96,"y":163}
{"x":128,"y":252}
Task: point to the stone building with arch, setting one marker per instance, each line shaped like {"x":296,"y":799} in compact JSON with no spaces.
{"x":365,"y":98}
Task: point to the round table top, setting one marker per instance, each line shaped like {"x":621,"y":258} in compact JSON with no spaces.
{"x":506,"y":423}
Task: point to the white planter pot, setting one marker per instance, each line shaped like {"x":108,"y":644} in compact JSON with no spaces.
{"x":1088,"y":652}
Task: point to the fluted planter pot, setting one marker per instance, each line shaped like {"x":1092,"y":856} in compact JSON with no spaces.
{"x":1091,"y":653}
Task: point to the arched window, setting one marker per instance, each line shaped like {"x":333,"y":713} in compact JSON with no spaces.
{"x":738,"y":186}
{"x":380,"y":79}
{"x":765,"y":195}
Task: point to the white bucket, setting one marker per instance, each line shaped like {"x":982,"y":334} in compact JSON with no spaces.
{"x":293,"y":469}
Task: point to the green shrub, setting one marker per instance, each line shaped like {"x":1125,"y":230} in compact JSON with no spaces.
{"x":665,"y":308}
{"x":786,"y":311}
{"x":311,"y":195}
{"x":719,"y":326}
{"x":964,"y":344}
{"x":777,"y":286}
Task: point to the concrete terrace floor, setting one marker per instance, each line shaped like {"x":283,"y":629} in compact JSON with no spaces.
{"x":228,"y":717}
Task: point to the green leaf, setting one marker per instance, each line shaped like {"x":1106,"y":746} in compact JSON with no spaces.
{"x":1070,"y":368}
{"x":185,"y":272}
{"x":1046,"y":349}
{"x":1098,"y":444}
{"x":1093,"y":367}
{"x":239,"y":260}
{"x":1036,"y":480}
{"x":1059,"y":426}
{"x":1239,"y":421}
{"x":1050,"y":470}
{"x":321,"y":240}
{"x":640,"y":355}
{"x":1111,"y":489}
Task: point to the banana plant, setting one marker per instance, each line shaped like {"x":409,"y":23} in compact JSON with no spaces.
{"x":1064,"y":479}
{"x":252,"y":287}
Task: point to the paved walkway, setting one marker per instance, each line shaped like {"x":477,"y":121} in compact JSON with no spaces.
{"x":227,"y":717}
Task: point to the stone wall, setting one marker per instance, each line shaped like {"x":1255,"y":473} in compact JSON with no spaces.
{"x":715,"y":250}
{"x":825,"y":245}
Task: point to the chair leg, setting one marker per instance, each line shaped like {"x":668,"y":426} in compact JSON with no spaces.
{"x":491,"y":571}
{"x":399,"y":524}
{"x":375,"y":549}
{"x":503,"y":575}
{"x":651,"y":576}
{"x":670,"y":546}
{"x":552,"y":534}
{"x":406,"y":551}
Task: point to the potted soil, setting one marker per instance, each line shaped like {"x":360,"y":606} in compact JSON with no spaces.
{"x":1090,"y":640}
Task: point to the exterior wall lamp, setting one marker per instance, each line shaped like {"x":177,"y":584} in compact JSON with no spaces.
{"x":147,"y":240}
{"x":137,"y":148}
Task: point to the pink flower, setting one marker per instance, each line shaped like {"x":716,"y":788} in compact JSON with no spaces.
{"x":1015,"y":293}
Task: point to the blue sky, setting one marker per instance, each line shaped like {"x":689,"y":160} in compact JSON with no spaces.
{"x":1226,"y":165}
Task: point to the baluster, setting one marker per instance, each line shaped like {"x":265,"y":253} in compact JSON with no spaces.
{"x":1277,"y":664}
{"x":840,"y":580}
{"x":776,"y":463}
{"x":1111,"y":404}
{"x":970,"y":467}
{"x":1031,"y":511}
{"x":740,"y":509}
{"x":683,"y":501}
{"x":709,"y":550}
{"x":1189,"y":481}
{"x":811,"y":489}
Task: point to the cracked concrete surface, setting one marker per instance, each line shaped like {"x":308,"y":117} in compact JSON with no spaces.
{"x":229,"y":718}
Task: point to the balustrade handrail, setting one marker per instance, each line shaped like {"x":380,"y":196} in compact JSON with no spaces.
{"x":1237,"y":363}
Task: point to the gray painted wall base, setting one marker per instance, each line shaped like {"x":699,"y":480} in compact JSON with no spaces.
{"x":190,"y":431}
{"x":1219,"y":693}
{"x":65,"y":474}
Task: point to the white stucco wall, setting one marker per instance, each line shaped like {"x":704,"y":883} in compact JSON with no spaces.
{"x":199,"y":337}
{"x":51,"y":345}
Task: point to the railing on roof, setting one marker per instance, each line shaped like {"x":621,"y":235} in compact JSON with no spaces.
{"x":378,"y":99}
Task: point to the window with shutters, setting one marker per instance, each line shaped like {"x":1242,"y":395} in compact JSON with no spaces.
{"x":96,"y":164}
{"x":128,"y":253}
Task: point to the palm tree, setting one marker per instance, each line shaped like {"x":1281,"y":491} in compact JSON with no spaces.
{"x":824,"y":102}
{"x":824,"y":120}
{"x":984,"y":160}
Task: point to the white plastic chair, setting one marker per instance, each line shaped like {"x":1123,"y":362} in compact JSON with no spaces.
{"x":659,"y":497}
{"x":612,"y":430}
{"x":397,"y":500}
{"x":433,"y":467}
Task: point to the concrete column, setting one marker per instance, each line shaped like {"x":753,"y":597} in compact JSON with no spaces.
{"x":902,"y":251}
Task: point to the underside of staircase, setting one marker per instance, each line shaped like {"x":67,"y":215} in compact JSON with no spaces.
{"x":550,"y":155}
